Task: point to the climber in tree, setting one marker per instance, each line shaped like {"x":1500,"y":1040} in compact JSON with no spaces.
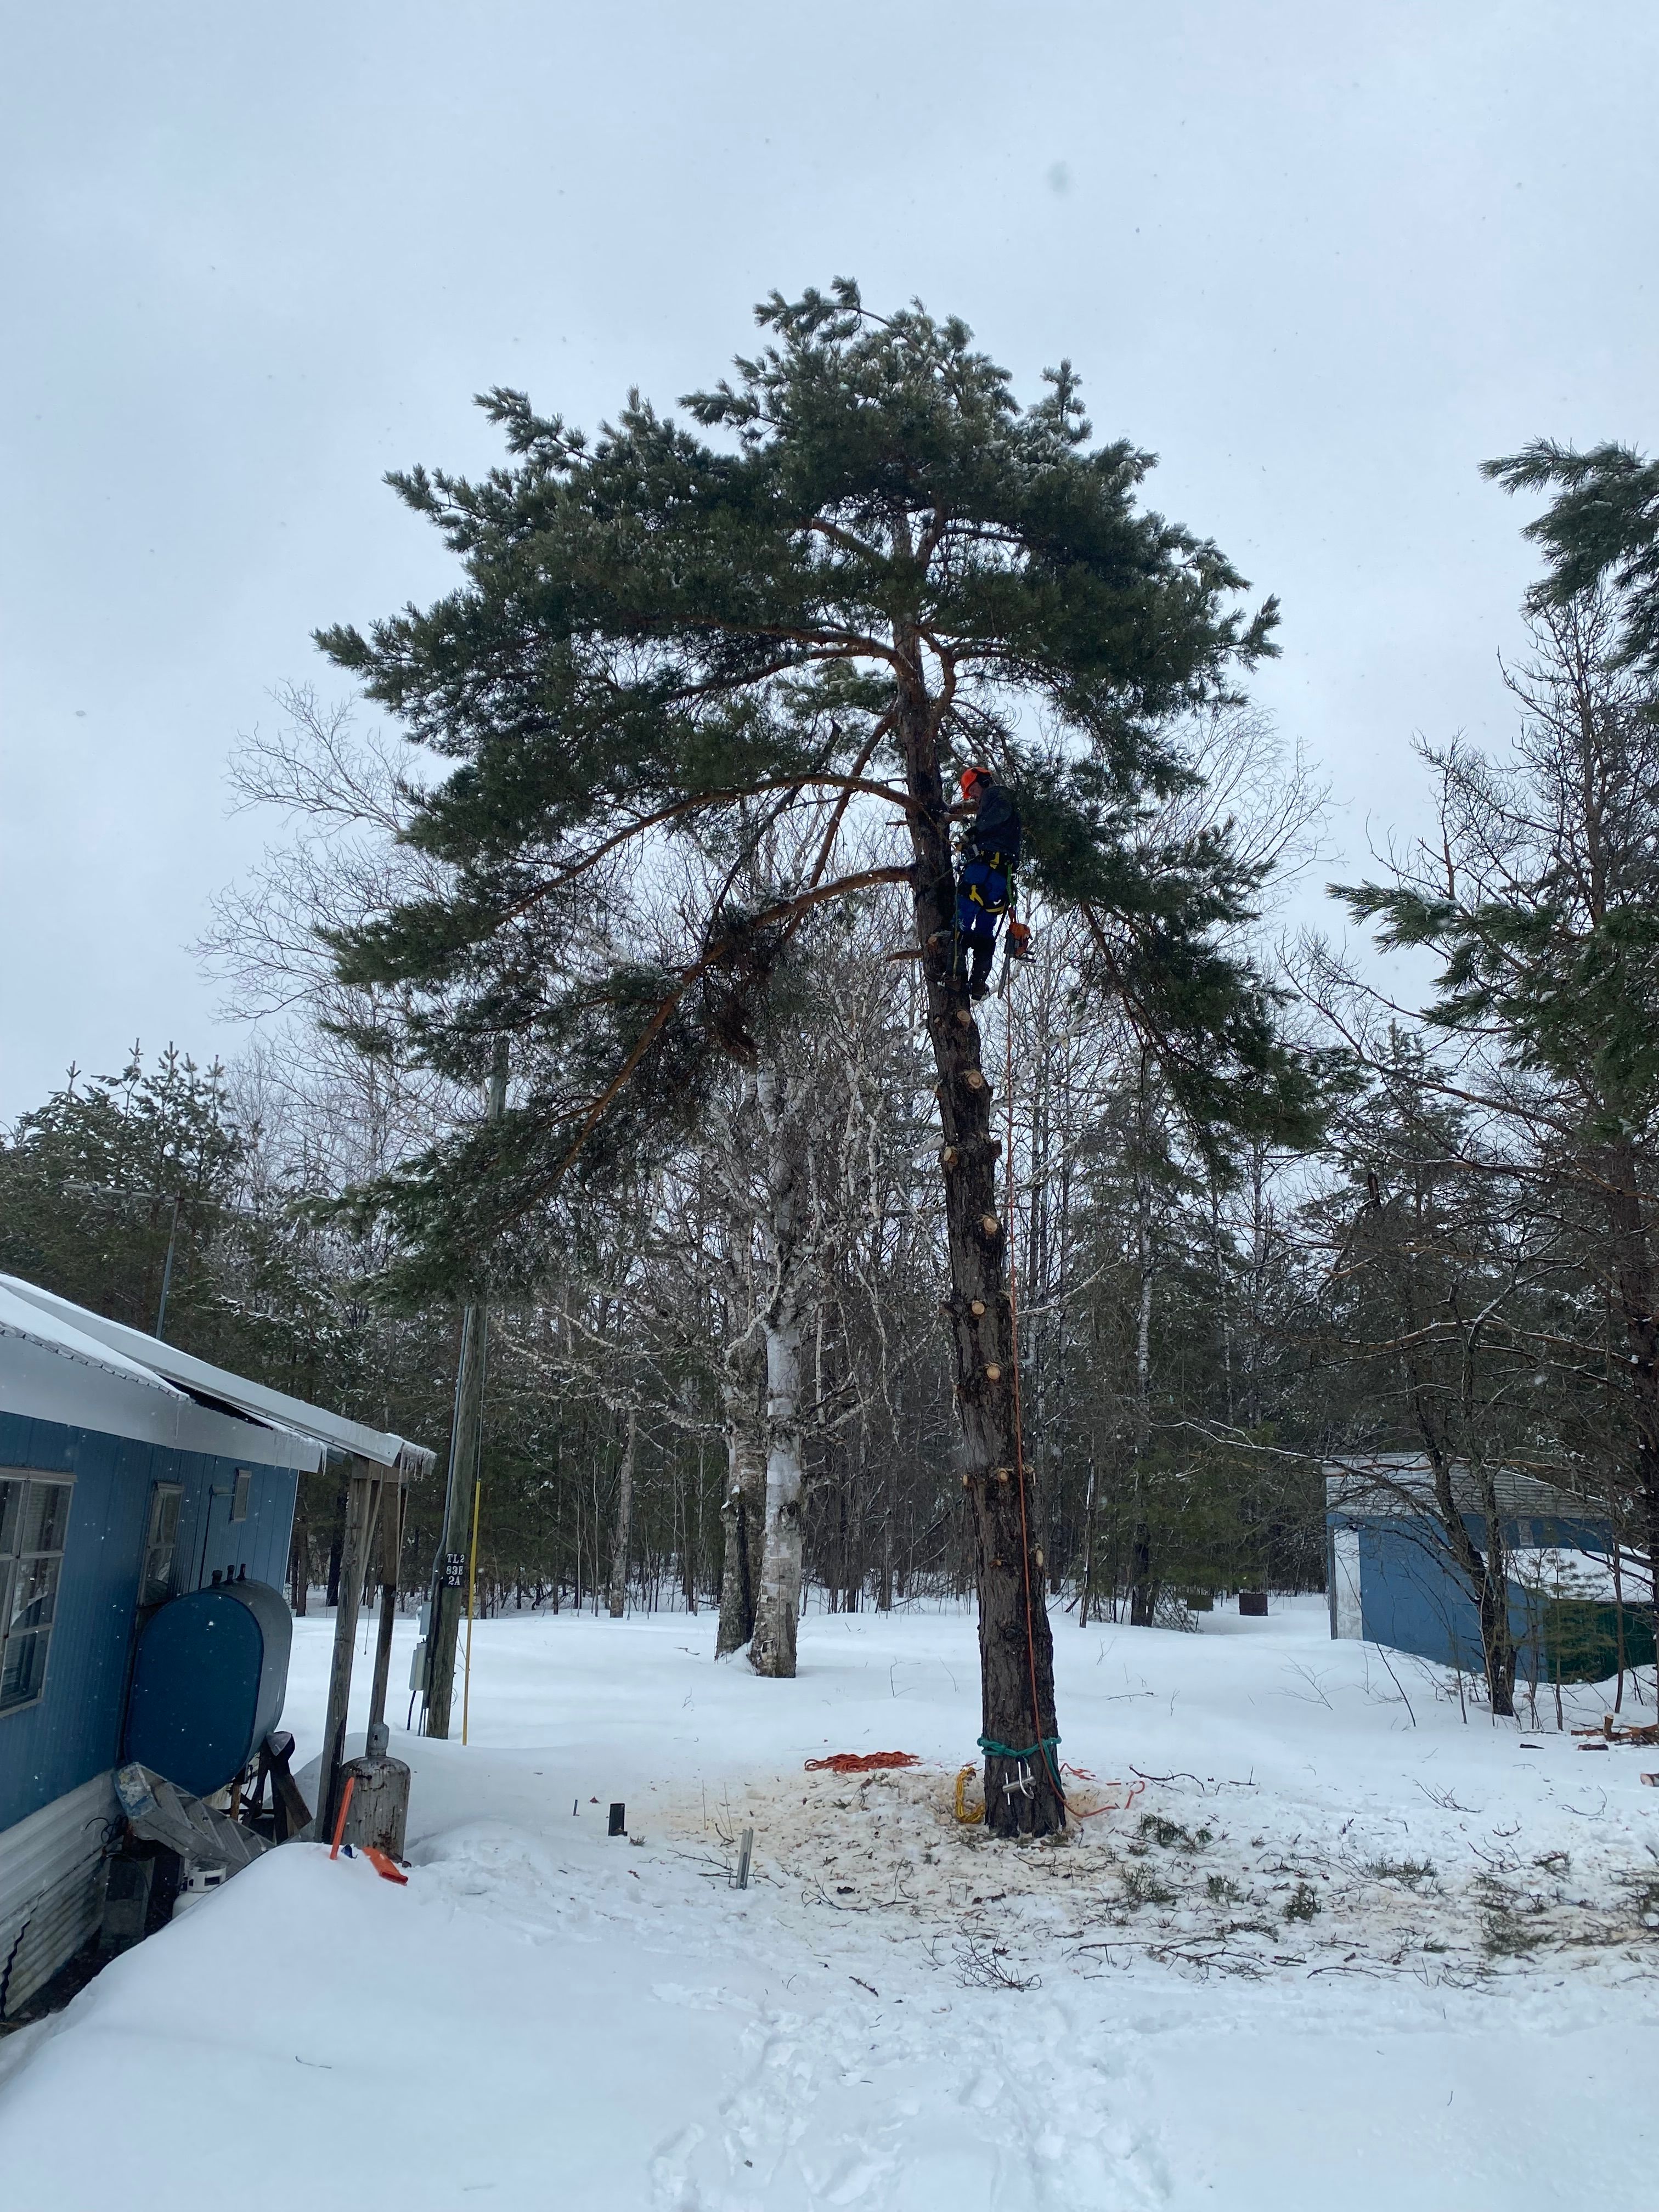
{"x":989,"y":850}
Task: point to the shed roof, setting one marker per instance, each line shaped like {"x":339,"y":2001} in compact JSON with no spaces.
{"x":1401,"y":1482}
{"x":28,"y":1312}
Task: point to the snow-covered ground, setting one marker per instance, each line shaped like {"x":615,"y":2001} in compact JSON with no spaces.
{"x":1341,"y":1952}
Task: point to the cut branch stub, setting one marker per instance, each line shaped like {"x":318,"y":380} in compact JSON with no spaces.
{"x":993,"y":1373}
{"x":990,"y":1224}
{"x":976,"y":1306}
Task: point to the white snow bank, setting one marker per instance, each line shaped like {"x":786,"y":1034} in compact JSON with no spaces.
{"x":545,"y":2017}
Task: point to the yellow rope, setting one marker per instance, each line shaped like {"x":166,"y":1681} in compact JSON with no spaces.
{"x":968,"y":1819}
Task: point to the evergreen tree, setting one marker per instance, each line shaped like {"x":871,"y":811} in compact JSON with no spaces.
{"x":1540,"y":899}
{"x":1601,"y":532}
{"x":109,"y":1177}
{"x":876,"y":567}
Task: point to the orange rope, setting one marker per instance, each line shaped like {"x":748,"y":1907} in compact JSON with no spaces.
{"x":861,"y":1762}
{"x":1019,"y":1426}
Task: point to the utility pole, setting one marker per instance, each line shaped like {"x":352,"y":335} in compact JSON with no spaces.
{"x":166,"y":1271}
{"x":465,"y":1440}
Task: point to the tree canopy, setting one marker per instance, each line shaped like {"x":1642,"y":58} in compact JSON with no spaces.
{"x":692,"y":635}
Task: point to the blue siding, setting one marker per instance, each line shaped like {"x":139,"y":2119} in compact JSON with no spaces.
{"x":1412,"y":1598}
{"x":74,"y":1731}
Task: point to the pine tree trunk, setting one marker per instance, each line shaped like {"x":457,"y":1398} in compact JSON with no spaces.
{"x":1016,"y":1647}
{"x":1142,"y":1586}
{"x":624,"y":1519}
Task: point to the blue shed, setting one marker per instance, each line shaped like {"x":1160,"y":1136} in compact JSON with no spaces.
{"x":130,"y":1473}
{"x":1391,"y":1578}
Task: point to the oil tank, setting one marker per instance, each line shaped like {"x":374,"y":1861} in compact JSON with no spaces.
{"x":208,"y":1684}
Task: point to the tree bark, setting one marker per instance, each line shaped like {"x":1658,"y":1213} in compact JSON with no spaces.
{"x":1485,"y":1571}
{"x":742,"y":1514}
{"x":1143,"y":1583}
{"x":1633,"y":1280}
{"x":624,"y":1518}
{"x":777,"y":1614}
{"x":777,"y":1611}
{"x":1016,"y":1647}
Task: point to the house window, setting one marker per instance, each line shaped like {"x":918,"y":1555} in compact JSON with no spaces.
{"x":156,"y":1582}
{"x":239,"y":1494}
{"x":33,"y":1516}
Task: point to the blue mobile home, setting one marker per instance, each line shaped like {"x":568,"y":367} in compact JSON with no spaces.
{"x":130,"y":1473}
{"x":1391,"y":1578}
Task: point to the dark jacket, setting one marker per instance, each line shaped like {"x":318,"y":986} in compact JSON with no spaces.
{"x":994,"y":834}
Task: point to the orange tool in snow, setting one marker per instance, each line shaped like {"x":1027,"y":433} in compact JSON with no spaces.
{"x":345,"y":1807}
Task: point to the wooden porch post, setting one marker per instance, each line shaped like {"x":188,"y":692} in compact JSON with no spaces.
{"x":360,"y":1504}
{"x":393,"y":1503}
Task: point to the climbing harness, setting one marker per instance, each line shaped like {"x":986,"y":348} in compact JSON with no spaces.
{"x":985,"y":882}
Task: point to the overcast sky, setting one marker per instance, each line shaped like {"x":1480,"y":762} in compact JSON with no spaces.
{"x":1322,"y":259}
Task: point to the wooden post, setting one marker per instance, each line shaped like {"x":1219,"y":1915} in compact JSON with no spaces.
{"x":465,"y":1441}
{"x":449,"y":1590}
{"x":393,"y":1504}
{"x":360,"y":1503}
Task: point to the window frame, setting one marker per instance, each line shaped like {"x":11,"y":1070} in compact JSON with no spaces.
{"x":160,"y":1493}
{"x":12,"y":1559}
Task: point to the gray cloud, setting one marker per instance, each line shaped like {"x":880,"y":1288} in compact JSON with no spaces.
{"x":1321,"y":260}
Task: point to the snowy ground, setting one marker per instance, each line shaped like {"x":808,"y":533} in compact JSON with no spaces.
{"x":1340,"y":1953}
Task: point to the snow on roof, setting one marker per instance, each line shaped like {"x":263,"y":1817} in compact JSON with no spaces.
{"x":148,"y":1360}
{"x":18,"y":1317}
{"x":1396,"y":1482}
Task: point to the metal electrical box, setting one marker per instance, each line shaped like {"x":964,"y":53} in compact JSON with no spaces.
{"x":209,"y":1683}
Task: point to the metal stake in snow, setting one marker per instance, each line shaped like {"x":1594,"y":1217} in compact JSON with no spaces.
{"x":746,"y":1844}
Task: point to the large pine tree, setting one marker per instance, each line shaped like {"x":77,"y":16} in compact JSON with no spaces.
{"x":865,"y":566}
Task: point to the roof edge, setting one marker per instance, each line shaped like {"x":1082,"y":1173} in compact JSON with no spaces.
{"x":173,"y":1367}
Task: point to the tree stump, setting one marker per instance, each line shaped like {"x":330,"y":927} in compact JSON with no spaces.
{"x":378,"y":1814}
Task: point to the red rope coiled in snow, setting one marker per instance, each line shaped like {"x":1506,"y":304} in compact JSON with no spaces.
{"x":861,"y":1762}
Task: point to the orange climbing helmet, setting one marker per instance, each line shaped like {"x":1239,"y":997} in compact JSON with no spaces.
{"x":971,"y":779}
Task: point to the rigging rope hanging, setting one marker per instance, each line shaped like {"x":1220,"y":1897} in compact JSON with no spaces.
{"x":1043,"y":1743}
